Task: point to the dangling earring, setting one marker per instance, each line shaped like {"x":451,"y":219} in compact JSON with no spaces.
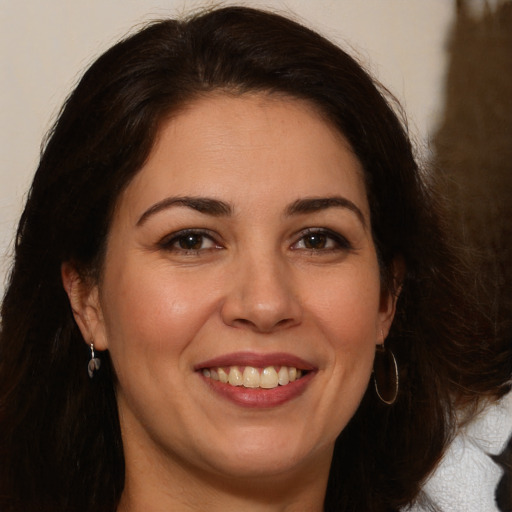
{"x":94,"y":363}
{"x":385,"y":375}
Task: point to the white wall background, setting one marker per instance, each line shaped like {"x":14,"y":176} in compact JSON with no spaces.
{"x":45,"y":46}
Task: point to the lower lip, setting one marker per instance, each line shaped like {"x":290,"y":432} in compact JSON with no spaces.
{"x":258,"y":397}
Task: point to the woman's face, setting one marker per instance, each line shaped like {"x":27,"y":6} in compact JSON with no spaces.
{"x":240,"y":299}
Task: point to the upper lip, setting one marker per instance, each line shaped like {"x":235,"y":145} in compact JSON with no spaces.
{"x":256,"y":360}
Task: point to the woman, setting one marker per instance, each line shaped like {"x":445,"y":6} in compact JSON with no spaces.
{"x":226,"y":235}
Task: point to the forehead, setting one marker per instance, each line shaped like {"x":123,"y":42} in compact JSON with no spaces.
{"x":248,"y":147}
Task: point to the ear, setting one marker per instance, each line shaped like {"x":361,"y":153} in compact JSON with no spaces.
{"x":389,"y":297}
{"x":85,"y":304}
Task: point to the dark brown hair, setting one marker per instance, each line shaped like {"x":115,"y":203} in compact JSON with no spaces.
{"x":60,"y":444}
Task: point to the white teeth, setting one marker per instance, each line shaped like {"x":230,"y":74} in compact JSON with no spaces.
{"x":268,"y":379}
{"x":283,"y":376}
{"x":223,"y":376}
{"x":235,"y":376}
{"x":265,"y":378}
{"x":251,"y":377}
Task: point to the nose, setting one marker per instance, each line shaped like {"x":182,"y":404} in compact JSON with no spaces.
{"x":261,"y":296}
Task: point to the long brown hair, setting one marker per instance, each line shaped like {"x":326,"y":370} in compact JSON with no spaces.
{"x":60,"y":442}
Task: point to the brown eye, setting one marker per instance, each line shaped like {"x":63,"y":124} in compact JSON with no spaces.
{"x":321,"y":239}
{"x":315,"y":241}
{"x":190,"y":242}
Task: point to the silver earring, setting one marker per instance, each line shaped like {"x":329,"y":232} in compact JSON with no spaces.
{"x":385,"y":375}
{"x":94,"y":363}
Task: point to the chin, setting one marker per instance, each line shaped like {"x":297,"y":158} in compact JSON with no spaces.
{"x":274,"y":454}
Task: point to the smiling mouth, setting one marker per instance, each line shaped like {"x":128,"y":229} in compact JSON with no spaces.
{"x":269,"y":377}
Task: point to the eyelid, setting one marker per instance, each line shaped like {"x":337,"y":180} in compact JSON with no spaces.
{"x":170,"y":239}
{"x":342,"y":243}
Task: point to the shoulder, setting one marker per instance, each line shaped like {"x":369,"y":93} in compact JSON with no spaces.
{"x":475,"y":474}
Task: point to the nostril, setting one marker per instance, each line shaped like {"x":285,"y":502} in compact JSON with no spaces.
{"x":284,"y":321}
{"x":262,"y":325}
{"x":242,"y":322}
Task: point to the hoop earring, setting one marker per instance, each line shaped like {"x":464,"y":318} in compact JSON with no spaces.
{"x":385,"y":375}
{"x":94,"y":363}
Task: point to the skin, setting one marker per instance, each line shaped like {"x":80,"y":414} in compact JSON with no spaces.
{"x":256,"y":281}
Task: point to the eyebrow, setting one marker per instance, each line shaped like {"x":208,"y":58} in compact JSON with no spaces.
{"x":218,"y":208}
{"x":315,"y":204}
{"x":204,"y":205}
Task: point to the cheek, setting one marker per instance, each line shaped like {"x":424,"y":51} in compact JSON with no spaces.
{"x":348,"y":314}
{"x":347,"y":308}
{"x":348,"y":322}
{"x":150,"y":316}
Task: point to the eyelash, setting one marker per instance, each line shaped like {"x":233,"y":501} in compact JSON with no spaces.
{"x":169,"y":243}
{"x":340,"y":242}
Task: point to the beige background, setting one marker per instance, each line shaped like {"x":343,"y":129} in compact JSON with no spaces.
{"x":47,"y":44}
